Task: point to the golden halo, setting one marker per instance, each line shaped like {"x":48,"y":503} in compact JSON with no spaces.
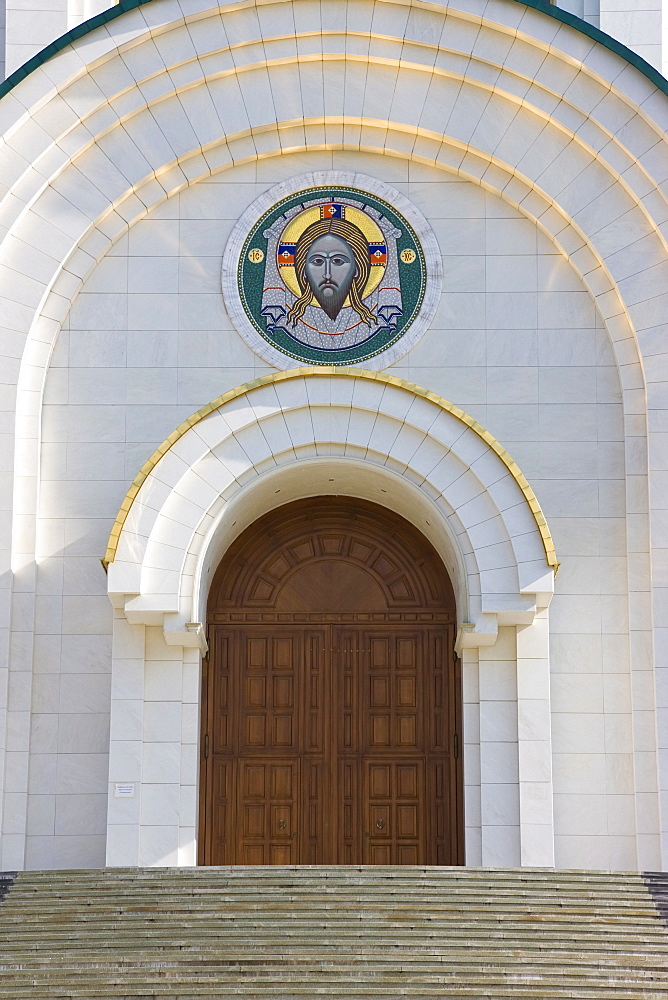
{"x":299,"y":223}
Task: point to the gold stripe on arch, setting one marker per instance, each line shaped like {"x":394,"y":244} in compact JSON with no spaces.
{"x":360,"y":373}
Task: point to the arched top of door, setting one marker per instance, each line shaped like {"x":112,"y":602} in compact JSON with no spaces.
{"x":330,"y":556}
{"x":337,"y":432}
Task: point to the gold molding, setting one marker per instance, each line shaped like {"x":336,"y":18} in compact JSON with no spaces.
{"x":361,"y":373}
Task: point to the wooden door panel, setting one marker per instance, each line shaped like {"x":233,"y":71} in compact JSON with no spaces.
{"x":407,"y":734}
{"x":253,"y":822}
{"x":221,"y":806}
{"x":270,"y":725}
{"x":331,"y":745}
{"x":252,"y":855}
{"x":256,"y":652}
{"x":348,"y":828}
{"x":256,"y":732}
{"x":395,"y":810}
{"x":378,"y":854}
{"x":407,"y":781}
{"x":220,"y":697}
{"x":256,"y":692}
{"x":407,"y":855}
{"x":380,"y":781}
{"x":391,"y":685}
{"x":407,"y":822}
{"x":393,"y":705}
{"x":406,"y":692}
{"x":283,"y":692}
{"x":282,"y":854}
{"x":283,"y":734}
{"x":316,"y":832}
{"x":316,"y":687}
{"x":267,"y":668}
{"x":380,"y":731}
{"x":267,"y":810}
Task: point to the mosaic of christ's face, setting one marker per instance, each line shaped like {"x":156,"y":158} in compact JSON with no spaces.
{"x":330,"y":269}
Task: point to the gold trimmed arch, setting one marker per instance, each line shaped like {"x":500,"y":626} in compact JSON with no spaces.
{"x":359,"y":373}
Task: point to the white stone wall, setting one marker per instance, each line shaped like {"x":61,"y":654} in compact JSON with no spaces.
{"x":638,"y":25}
{"x":588,"y":10}
{"x":517,"y":343}
{"x":155,"y":745}
{"x":3,"y":29}
{"x":30,"y":25}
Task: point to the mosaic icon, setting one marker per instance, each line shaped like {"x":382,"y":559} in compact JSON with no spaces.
{"x":331,"y":276}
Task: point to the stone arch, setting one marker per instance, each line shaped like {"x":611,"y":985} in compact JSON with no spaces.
{"x":231,"y":455}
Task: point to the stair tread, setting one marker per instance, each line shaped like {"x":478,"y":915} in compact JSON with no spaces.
{"x":350,"y":932}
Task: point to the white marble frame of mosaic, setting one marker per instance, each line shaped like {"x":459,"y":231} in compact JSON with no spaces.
{"x":324,"y":178}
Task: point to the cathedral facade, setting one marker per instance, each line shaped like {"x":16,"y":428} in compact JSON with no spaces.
{"x":334,"y":437}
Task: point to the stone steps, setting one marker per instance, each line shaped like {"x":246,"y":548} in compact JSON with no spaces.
{"x":344,"y":932}
{"x":400,"y":905}
{"x":597,"y":951}
{"x":145,"y":972}
{"x":364,"y":965}
{"x":480,"y":989}
{"x":378,"y":899}
{"x":376,"y":928}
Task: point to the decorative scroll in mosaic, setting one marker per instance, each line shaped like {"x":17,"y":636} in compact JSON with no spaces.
{"x":332,"y":275}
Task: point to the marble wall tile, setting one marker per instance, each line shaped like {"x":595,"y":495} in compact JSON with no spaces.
{"x":162,"y":721}
{"x":80,"y":851}
{"x":80,"y":815}
{"x":40,"y":852}
{"x":160,"y":804}
{"x":158,"y":845}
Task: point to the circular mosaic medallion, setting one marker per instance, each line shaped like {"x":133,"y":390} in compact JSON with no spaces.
{"x":332,"y":269}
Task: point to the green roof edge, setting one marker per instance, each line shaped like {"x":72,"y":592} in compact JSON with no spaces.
{"x":544,"y":7}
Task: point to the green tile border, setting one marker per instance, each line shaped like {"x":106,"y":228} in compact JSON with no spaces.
{"x":557,"y":13}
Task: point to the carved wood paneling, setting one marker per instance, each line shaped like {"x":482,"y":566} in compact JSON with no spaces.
{"x":328,"y":555}
{"x":331,"y":741}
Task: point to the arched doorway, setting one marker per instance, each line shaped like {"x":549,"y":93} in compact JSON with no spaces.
{"x":331,"y":695}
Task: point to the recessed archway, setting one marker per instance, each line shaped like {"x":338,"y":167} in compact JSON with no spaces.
{"x":215,"y":468}
{"x":313,"y":432}
{"x":331,"y":696}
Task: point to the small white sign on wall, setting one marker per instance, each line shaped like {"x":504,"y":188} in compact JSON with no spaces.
{"x":124,"y":790}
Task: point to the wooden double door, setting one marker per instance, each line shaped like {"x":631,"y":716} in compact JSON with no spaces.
{"x":331,"y":744}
